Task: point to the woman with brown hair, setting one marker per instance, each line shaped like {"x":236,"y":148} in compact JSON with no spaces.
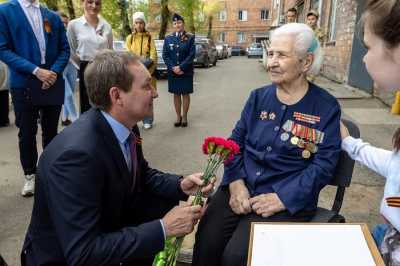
{"x":87,"y":36}
{"x":381,"y":24}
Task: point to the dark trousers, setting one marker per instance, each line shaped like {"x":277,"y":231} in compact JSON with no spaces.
{"x":229,"y":233}
{"x":83,"y":96}
{"x":4,"y":108}
{"x":26,"y":117}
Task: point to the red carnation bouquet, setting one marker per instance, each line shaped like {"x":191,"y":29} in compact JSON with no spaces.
{"x":219,"y":150}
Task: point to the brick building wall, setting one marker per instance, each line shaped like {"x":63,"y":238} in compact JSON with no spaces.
{"x":252,"y":29}
{"x":338,"y":51}
{"x":237,"y":32}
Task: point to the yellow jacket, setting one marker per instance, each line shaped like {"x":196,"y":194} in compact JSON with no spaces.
{"x":140,"y":46}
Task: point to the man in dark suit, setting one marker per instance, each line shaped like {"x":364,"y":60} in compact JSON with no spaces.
{"x":34,"y":45}
{"x":97,"y":200}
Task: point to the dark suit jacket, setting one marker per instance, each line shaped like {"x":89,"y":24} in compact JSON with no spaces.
{"x":19,"y":48}
{"x":83,"y":200}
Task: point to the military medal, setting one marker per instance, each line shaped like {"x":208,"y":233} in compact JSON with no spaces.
{"x":264,"y":115}
{"x":306,"y":154}
{"x":284,"y":136}
{"x":301,"y":143}
{"x":272,"y":116}
{"x":294,"y":140}
{"x":312,"y":147}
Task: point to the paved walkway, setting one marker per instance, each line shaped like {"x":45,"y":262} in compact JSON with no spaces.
{"x":220,"y":93}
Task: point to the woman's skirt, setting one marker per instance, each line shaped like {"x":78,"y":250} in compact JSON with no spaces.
{"x":180,"y":84}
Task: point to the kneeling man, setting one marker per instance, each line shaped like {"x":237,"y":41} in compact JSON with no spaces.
{"x":97,"y":201}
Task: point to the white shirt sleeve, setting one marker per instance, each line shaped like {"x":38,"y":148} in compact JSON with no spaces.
{"x":372,"y":157}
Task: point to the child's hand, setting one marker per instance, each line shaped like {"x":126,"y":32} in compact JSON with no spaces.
{"x":344,"y":132}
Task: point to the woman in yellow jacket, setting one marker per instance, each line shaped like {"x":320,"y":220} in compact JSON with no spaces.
{"x":141,"y":43}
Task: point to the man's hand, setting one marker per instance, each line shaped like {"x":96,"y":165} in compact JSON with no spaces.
{"x":191,"y":183}
{"x":47,"y":77}
{"x":344,"y":132}
{"x":239,"y":200}
{"x":267,"y":204}
{"x":181,"y":220}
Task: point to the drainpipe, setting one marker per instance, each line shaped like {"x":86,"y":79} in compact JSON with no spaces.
{"x":396,"y":104}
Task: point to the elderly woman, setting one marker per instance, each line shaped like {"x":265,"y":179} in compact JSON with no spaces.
{"x":289,"y":137}
{"x":141,"y":43}
{"x":87,"y":36}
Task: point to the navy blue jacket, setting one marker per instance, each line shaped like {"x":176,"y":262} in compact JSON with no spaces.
{"x":179,"y":52}
{"x":19,"y":48}
{"x":269,"y":164}
{"x":83,"y":201}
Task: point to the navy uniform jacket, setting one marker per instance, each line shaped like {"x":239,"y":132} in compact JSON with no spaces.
{"x":179,"y":51}
{"x":83,"y":200}
{"x":268,"y":164}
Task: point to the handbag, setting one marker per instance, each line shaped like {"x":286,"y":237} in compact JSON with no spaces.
{"x":147,"y":62}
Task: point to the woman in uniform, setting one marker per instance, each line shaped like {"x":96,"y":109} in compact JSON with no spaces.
{"x":178,"y":53}
{"x":141,"y":43}
{"x":289,"y":137}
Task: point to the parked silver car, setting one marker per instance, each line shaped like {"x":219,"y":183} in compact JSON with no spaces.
{"x":119,"y":46}
{"x":222,"y":51}
{"x":255,"y":50}
{"x":161,"y":69}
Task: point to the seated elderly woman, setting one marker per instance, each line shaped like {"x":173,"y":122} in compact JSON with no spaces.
{"x":289,"y":135}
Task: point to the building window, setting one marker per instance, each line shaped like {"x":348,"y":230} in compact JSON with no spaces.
{"x":332,"y":21}
{"x":314,"y":4}
{"x":243,"y":15}
{"x":241,"y":37}
{"x":222,"y":15}
{"x":264,"y":14}
{"x":221,"y":37}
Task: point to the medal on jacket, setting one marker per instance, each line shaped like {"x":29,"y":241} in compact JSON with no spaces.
{"x":272,"y":116}
{"x":285,"y":136}
{"x":306,"y":154}
{"x":264,"y":115}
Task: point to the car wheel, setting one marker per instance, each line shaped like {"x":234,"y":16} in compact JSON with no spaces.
{"x":215,"y":62}
{"x":206,"y":63}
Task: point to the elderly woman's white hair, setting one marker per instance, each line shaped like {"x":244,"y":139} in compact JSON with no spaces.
{"x":305,"y":42}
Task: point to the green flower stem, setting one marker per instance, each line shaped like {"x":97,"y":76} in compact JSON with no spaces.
{"x":169,"y":255}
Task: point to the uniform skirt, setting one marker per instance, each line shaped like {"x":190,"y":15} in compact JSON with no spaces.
{"x":180,"y":84}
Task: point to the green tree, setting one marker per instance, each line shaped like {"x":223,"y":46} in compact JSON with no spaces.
{"x":51,"y":4}
{"x":70,"y":8}
{"x":125,"y":28}
{"x":210,"y":8}
{"x":165,"y":15}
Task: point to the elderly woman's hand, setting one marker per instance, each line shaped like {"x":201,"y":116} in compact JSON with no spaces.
{"x":240,"y":195}
{"x":267,"y":204}
{"x":344,"y":132}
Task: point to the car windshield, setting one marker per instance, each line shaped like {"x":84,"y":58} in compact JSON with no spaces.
{"x":256,"y":45}
{"x":119,"y":45}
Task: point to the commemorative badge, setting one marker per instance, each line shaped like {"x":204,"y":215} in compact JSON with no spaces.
{"x":264,"y":115}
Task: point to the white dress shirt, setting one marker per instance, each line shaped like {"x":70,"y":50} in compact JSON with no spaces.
{"x":384,"y":162}
{"x":122,"y":133}
{"x":34,"y":16}
{"x":86,"y":41}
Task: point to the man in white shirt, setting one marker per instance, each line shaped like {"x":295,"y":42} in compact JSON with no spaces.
{"x":33,"y":44}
